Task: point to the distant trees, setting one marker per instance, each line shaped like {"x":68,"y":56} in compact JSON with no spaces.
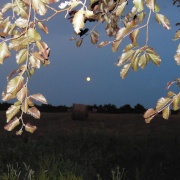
{"x":110,"y":108}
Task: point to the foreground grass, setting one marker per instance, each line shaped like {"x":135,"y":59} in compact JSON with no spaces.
{"x":89,"y":155}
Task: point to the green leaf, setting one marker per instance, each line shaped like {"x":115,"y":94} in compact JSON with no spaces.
{"x":162,"y":102}
{"x":6,"y":7}
{"x":32,"y":33}
{"x":18,"y":43}
{"x":139,"y":4}
{"x":124,"y":71}
{"x":79,"y":42}
{"x":43,"y":48}
{"x":4,"y":52}
{"x":149,"y":115}
{"x":141,"y":16}
{"x":134,"y":35}
{"x":165,"y":113}
{"x":121,"y":33}
{"x":35,"y":63}
{"x":175,"y":103}
{"x":19,"y":132}
{"x":177,"y":35}
{"x":177,"y":58}
{"x":129,"y":47}
{"x":39,"y":7}
{"x":170,"y":93}
{"x":7,"y":96}
{"x":20,"y":9}
{"x":30,"y":128}
{"x":38,"y":97}
{"x":94,"y":37}
{"x":34,"y":112}
{"x":24,"y":106}
{"x":78,"y":21}
{"x":15,"y":84}
{"x":120,"y":8}
{"x":177,"y":55}
{"x":11,"y":112}
{"x":135,"y":60}
{"x":124,"y":57}
{"x":88,"y":13}
{"x":21,"y":22}
{"x":143,"y":60}
{"x":12,"y":124}
{"x":155,"y":58}
{"x":115,"y":45}
{"x":161,"y":19}
{"x":22,"y":94}
{"x":43,"y":27}
{"x":21,"y":56}
{"x":151,"y":4}
{"x":103,"y":43}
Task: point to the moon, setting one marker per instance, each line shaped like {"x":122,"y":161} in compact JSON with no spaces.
{"x":88,"y":79}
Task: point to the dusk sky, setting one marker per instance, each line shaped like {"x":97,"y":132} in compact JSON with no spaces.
{"x":63,"y":82}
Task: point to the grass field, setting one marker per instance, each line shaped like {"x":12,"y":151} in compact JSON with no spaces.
{"x":102,"y":147}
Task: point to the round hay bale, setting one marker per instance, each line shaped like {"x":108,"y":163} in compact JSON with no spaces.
{"x":79,"y":112}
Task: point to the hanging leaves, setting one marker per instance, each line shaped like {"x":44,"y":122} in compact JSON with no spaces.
{"x":79,"y":42}
{"x":78,"y":21}
{"x":103,"y":43}
{"x":133,"y":36}
{"x":124,"y":57}
{"x":34,"y":112}
{"x":162,"y":102}
{"x":149,"y":115}
{"x":11,"y":112}
{"x":12,"y":124}
{"x":30,"y":128}
{"x":38,"y":97}
{"x":22,"y":94}
{"x":39,"y":7}
{"x":32,"y":33}
{"x":21,"y":22}
{"x":14,"y":85}
{"x":21,"y":56}
{"x":161,"y":19}
{"x":43,"y":27}
{"x":139,"y":4}
{"x":94,"y":37}
{"x":124,"y":71}
{"x":4,"y":52}
{"x":177,"y":55}
{"x":151,"y":4}
{"x":120,"y":8}
{"x":177,"y":35}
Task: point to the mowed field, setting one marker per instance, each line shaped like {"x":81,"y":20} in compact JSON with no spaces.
{"x":122,"y":124}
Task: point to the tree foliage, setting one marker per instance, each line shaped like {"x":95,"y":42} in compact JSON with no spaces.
{"x":23,"y":21}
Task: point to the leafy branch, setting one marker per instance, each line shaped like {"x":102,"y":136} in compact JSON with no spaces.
{"x":20,"y":33}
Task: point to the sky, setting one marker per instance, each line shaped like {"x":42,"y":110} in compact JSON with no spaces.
{"x":63,"y":82}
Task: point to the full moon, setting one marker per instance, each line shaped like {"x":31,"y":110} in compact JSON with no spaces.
{"x":88,"y":79}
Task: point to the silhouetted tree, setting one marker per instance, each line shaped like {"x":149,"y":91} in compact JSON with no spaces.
{"x":139,"y":109}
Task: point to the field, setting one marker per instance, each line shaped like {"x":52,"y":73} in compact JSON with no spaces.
{"x":105,"y":146}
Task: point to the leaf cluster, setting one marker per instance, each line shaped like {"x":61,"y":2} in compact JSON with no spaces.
{"x":21,"y":24}
{"x":19,"y":27}
{"x":119,"y":26}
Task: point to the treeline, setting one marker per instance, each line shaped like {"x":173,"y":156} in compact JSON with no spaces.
{"x":107,"y":108}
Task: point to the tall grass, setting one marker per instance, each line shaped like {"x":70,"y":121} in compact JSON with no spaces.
{"x":89,"y":156}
